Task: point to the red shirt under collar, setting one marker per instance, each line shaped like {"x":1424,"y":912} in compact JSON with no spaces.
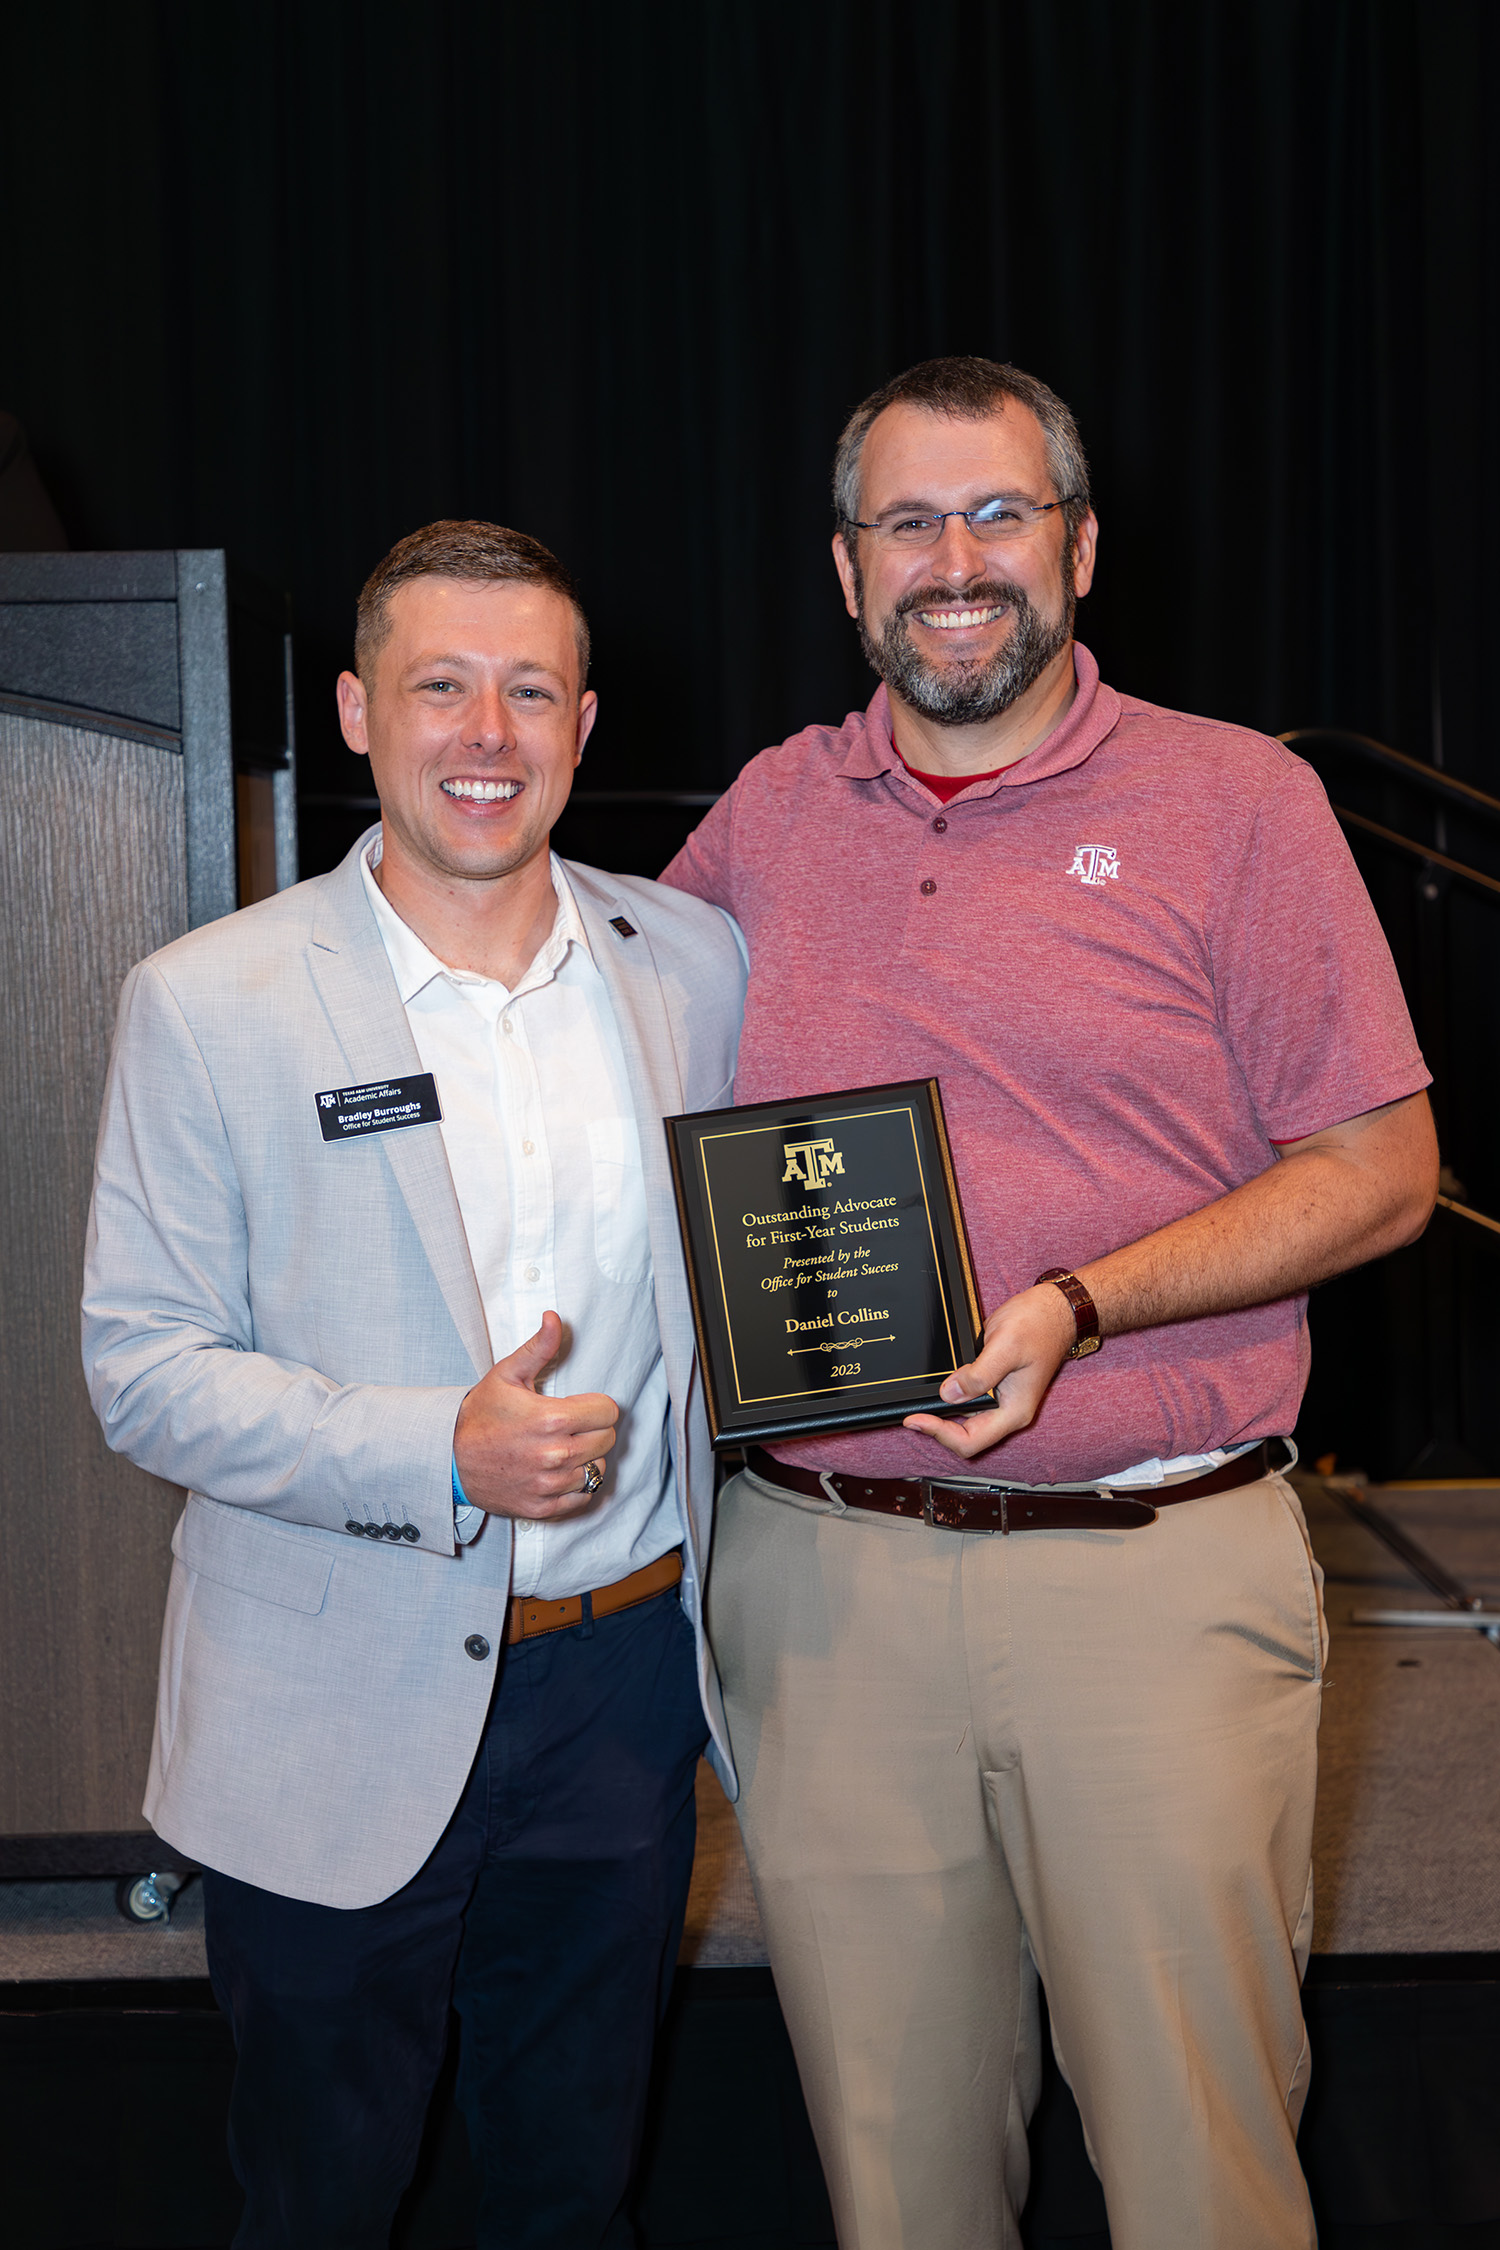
{"x":946,"y":786}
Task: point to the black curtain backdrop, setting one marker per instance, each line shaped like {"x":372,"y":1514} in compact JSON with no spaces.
{"x":294,"y":277}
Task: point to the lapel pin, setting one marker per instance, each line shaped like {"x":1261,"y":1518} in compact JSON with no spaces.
{"x":619,"y":923}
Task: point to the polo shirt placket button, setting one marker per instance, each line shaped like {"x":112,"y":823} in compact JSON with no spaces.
{"x":940,"y":826}
{"x":477,"y":1646}
{"x":928,"y":887}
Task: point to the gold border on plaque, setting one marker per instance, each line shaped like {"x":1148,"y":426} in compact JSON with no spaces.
{"x":889,"y":1382}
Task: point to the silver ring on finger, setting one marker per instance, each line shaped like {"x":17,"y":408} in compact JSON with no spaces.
{"x":593,"y":1477}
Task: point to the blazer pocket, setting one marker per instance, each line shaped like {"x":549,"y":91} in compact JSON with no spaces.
{"x":252,"y":1556}
{"x":622,"y":1239}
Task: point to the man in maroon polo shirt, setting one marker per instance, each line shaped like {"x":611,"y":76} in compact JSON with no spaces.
{"x":1181,"y":1087}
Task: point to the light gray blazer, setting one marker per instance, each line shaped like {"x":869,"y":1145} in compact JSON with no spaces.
{"x":287,"y":1327}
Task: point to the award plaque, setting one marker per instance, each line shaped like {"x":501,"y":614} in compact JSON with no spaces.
{"x":830,"y":1273}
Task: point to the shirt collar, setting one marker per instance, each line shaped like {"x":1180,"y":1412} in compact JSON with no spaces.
{"x":1093,"y":713}
{"x":415,"y":965}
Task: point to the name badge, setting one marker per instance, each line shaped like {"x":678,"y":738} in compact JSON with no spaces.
{"x":387,"y":1106}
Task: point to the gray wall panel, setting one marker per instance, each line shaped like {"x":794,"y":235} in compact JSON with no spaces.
{"x":122,"y":575}
{"x":112,"y":656}
{"x":203,"y":644}
{"x":92,"y":876}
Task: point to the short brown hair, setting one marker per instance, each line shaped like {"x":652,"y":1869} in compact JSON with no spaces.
{"x":969,"y":389}
{"x":481,"y":553}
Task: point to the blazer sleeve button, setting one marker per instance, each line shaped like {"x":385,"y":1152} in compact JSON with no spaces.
{"x":477,"y":1646}
{"x":410,"y":1531}
{"x":391,"y":1531}
{"x":372,"y":1530}
{"x":358,"y":1529}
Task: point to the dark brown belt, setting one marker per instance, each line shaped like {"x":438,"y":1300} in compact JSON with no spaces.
{"x":1008,"y":1507}
{"x":528,"y":1618}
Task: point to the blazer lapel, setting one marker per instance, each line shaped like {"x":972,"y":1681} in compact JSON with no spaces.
{"x":629,"y":970}
{"x":350,"y":968}
{"x":648,"y":1039}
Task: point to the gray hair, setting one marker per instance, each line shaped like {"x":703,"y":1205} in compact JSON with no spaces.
{"x":969,"y":390}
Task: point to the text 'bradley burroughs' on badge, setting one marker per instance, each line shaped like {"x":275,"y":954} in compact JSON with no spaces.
{"x":388,"y":1105}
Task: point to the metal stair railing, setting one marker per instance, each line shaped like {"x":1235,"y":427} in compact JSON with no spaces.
{"x":1462,"y":1609}
{"x":1431,"y":780}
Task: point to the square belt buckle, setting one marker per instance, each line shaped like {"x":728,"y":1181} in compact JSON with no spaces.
{"x":967,"y":1507}
{"x":1007,"y":1507}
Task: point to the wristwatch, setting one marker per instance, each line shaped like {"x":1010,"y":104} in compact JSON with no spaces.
{"x":1085,"y":1311}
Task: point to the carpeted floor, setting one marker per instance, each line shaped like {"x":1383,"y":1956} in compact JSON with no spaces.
{"x":1407,"y":1850}
{"x":723,"y":1928}
{"x":75,"y":1932}
{"x":1407,"y":1843}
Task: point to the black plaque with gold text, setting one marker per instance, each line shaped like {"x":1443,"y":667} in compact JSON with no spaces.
{"x":830,"y":1272}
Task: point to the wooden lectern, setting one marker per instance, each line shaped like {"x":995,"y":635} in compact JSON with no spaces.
{"x":147,"y":785}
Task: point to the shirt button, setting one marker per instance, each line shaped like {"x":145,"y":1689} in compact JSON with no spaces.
{"x":477,"y":1646}
{"x":528,"y":1148}
{"x":507,"y":1026}
{"x":531,"y":1273}
{"x":940,"y":826}
{"x":928,"y":887}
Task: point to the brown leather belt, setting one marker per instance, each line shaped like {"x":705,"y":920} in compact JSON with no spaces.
{"x":528,"y":1618}
{"x":1007,"y":1507}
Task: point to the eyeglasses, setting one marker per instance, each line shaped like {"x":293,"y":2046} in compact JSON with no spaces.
{"x":1008,"y":517}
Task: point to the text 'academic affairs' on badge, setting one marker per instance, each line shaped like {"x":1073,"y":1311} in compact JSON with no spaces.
{"x":388,"y":1105}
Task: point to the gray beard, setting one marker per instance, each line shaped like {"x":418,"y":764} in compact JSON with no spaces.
{"x":965,"y":695}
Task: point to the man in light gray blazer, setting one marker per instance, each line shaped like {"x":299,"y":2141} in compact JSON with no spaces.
{"x":383,"y":1268}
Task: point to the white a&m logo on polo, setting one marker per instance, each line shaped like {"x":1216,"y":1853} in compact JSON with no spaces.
{"x":1096,"y":863}
{"x":810,"y":1163}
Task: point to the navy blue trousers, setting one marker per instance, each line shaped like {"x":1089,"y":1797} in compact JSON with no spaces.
{"x":549,"y":1915}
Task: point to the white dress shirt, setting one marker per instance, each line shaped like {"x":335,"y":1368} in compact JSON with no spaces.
{"x":545,"y":1152}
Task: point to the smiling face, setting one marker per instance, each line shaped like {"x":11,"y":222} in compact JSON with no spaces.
{"x":473,"y":725}
{"x":961,"y":631}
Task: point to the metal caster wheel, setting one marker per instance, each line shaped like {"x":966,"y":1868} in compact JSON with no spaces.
{"x":148,"y":1898}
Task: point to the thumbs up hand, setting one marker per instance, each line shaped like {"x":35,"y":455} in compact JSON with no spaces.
{"x":520,"y":1453}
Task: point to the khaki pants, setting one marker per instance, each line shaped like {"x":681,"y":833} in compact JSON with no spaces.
{"x":965,"y":1759}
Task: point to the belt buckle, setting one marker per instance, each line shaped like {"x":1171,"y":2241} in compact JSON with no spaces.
{"x":965,"y":1493}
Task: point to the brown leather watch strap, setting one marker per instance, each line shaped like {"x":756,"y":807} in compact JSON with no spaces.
{"x":1085,"y":1311}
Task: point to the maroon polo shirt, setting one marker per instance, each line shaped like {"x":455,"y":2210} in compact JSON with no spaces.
{"x":1134,"y":960}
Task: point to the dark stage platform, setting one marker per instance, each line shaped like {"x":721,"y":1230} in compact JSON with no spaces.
{"x":114,"y":2063}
